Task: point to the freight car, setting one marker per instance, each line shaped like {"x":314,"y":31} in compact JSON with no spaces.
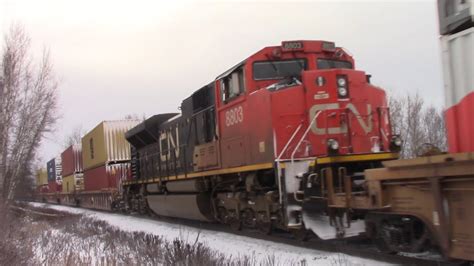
{"x":93,"y":171}
{"x":428,"y":201}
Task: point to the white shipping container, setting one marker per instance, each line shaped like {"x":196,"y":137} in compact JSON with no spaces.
{"x":77,"y":150}
{"x":454,"y":13}
{"x":458,"y":65}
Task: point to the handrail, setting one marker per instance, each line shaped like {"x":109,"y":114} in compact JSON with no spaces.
{"x":294,"y":151}
{"x":304,"y":135}
{"x":289,"y":141}
{"x":278,"y":161}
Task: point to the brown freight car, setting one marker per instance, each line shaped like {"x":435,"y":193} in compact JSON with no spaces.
{"x":423,"y":201}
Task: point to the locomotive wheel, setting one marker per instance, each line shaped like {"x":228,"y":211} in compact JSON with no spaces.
{"x":265,"y":227}
{"x":393,"y":238}
{"x":235,"y":224}
{"x":383,"y":246}
{"x":233,"y":220}
{"x":223,"y":215}
{"x":301,"y":234}
{"x":248,"y":218}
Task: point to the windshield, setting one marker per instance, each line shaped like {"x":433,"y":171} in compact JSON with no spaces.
{"x":329,"y":64}
{"x":278,"y":69}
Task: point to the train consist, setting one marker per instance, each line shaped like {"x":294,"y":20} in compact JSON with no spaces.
{"x":294,"y":138}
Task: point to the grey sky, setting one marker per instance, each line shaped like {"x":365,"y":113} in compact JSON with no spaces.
{"x":120,"y":57}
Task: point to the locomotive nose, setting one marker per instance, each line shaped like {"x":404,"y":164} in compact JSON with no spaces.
{"x":324,"y":91}
{"x":353,"y":114}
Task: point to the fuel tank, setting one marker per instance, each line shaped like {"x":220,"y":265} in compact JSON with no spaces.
{"x":187,"y":186}
{"x":192,"y":207}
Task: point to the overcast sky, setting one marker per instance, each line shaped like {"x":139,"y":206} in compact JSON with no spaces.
{"x":115,"y":58}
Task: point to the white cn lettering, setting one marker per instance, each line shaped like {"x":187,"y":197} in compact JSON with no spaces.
{"x":171,"y":144}
{"x":321,"y":130}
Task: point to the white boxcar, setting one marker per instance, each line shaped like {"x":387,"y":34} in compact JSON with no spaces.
{"x":455,"y":15}
{"x":458,"y":65}
{"x":458,"y":69}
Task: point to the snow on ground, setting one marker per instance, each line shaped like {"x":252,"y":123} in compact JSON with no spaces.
{"x":229,"y":244}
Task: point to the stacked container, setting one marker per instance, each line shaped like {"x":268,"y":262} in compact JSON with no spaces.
{"x":106,"y":155}
{"x":54,"y":174}
{"x":42,"y":180}
{"x":457,"y":42}
{"x":72,"y":170}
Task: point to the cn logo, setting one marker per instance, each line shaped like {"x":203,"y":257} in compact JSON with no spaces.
{"x":169,"y":143}
{"x":234,"y":116}
{"x":319,"y":130}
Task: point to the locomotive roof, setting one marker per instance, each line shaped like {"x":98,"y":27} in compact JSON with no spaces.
{"x":231,"y":69}
{"x":147,"y":131}
{"x":309,"y":45}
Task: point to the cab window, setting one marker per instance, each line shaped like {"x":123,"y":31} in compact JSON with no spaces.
{"x":331,"y":64}
{"x":232,"y":85}
{"x":266,"y":70}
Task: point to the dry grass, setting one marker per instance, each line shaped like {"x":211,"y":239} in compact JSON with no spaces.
{"x":10,"y":237}
{"x":69,"y":239}
{"x":79,"y":240}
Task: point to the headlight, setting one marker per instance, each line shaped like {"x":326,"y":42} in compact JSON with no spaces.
{"x":341,"y":82}
{"x":342,"y":86}
{"x":342,"y":91}
{"x":333,"y":144}
{"x":396,"y":143}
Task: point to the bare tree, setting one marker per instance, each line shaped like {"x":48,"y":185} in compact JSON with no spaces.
{"x":397,"y":107}
{"x":75,"y":137}
{"x":415,"y":135}
{"x":135,"y":116}
{"x":27,"y":109}
{"x":435,"y":128}
{"x":417,"y":124}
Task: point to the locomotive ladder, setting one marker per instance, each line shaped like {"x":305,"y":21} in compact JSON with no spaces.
{"x":281,"y":185}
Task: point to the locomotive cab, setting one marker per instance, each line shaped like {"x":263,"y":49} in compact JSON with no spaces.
{"x":316,"y":84}
{"x":282,"y":137}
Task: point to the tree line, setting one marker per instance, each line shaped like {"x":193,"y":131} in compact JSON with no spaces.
{"x":28,"y":104}
{"x":421,"y":126}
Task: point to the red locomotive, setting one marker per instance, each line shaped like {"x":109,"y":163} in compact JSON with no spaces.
{"x":255,"y":146}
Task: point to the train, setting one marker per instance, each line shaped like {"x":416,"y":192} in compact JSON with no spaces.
{"x":293,"y":138}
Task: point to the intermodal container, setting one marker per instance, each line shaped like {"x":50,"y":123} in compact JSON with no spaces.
{"x":51,"y":168}
{"x":54,"y":186}
{"x":71,"y":160}
{"x":106,"y":144}
{"x":73,"y":183}
{"x":43,"y":188}
{"x":106,"y":176}
{"x":458,"y":72}
{"x":41,"y":177}
{"x":54,"y":169}
{"x":455,"y":15}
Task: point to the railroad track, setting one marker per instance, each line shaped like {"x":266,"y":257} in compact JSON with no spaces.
{"x":355,"y":246}
{"x":34,"y":212}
